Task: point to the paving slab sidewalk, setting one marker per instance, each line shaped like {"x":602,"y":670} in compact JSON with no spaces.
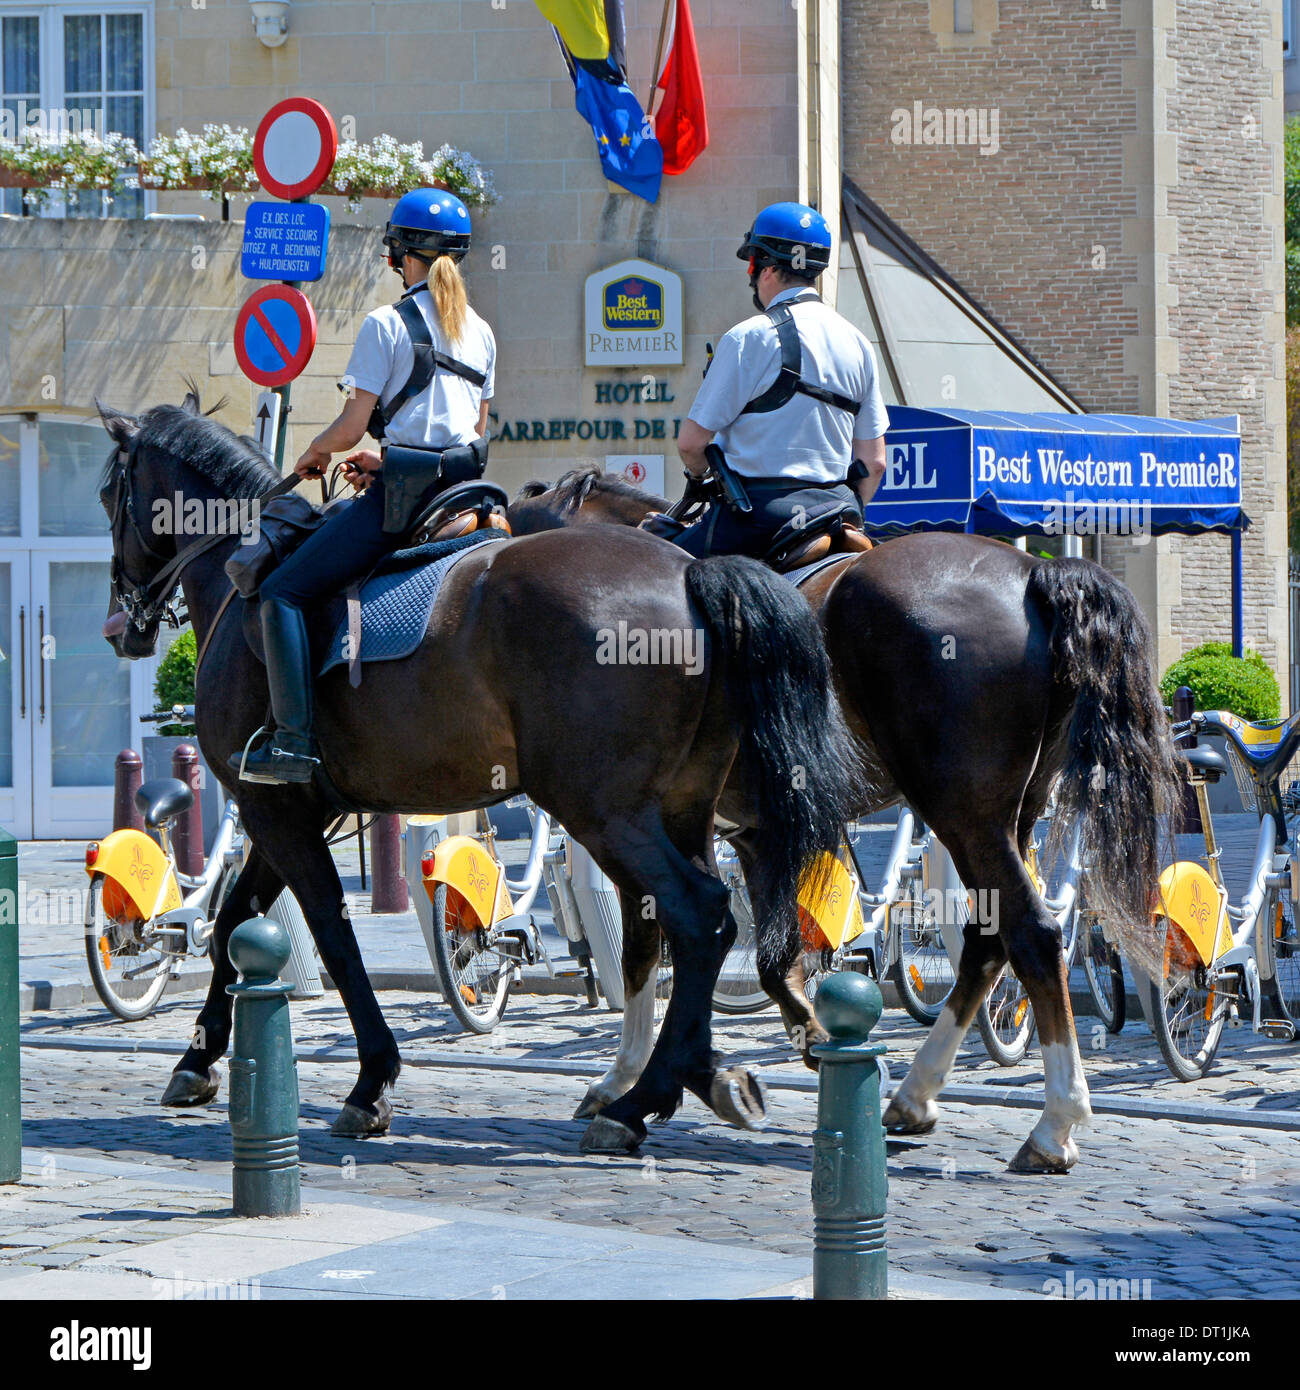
{"x":77,"y":1228}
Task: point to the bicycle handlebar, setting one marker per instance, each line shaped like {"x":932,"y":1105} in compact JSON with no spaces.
{"x":178,"y":714}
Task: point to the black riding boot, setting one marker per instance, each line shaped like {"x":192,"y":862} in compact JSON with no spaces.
{"x":289,"y":755}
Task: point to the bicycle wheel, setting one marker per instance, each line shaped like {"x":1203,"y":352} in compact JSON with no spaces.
{"x":923,"y":972}
{"x":474,"y":976}
{"x":1284,"y":942}
{"x":738,"y":990}
{"x":129,"y":965}
{"x":1006,"y":1019}
{"x":1104,"y":970}
{"x":1188,"y":1008}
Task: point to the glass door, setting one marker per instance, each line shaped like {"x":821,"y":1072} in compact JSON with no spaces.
{"x":15,"y":693}
{"x":82,"y":697}
{"x":68,"y":705}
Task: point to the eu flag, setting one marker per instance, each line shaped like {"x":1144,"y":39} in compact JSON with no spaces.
{"x":630,"y":154}
{"x":592,"y":38}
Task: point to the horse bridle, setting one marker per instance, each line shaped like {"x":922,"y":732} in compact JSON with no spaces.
{"x":143,"y":604}
{"x":153,"y":602}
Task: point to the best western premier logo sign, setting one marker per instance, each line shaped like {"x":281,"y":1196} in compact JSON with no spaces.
{"x":633,"y":303}
{"x":633,"y":315}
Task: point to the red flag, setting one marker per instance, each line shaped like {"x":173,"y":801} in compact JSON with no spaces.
{"x":681,"y":123}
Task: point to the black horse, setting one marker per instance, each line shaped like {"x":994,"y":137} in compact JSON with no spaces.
{"x":976,"y":676}
{"x":512,"y":689}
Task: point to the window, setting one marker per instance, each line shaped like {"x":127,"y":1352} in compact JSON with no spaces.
{"x":1288,"y":19}
{"x":82,"y":67}
{"x":963,"y":17}
{"x":20,"y":83}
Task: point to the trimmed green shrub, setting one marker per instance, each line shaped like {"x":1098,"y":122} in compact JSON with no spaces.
{"x":1219,"y":680}
{"x":174,"y":683}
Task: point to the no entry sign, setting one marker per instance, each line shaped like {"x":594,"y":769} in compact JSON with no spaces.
{"x":295,"y":147}
{"x":274,"y":335}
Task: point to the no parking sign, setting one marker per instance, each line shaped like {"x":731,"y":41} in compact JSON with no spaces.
{"x":275,"y":335}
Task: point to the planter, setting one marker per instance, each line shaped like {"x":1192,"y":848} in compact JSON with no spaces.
{"x":156,"y":757}
{"x":12,"y":178}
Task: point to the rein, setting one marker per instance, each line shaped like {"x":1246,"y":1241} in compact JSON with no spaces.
{"x":146,"y":603}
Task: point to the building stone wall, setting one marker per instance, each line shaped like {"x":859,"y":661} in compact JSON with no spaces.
{"x":486,"y":79}
{"x":1128,"y":231}
{"x":125,"y":310}
{"x":1227,"y":309}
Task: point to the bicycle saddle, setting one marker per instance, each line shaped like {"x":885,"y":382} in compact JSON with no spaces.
{"x":162,"y":799}
{"x":1208,"y":762}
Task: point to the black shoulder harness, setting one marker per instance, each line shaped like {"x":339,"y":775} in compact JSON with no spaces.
{"x":427,"y":361}
{"x":790,"y":378}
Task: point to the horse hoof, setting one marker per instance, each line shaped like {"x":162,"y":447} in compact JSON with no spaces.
{"x":606,"y":1136}
{"x":737,"y":1096}
{"x":899,"y":1121}
{"x":592,"y":1104}
{"x":188,"y":1088}
{"x":356,"y":1122}
{"x":1032,"y":1159}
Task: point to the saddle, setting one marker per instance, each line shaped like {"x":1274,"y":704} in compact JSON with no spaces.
{"x":823,"y":538}
{"x":383,"y":617}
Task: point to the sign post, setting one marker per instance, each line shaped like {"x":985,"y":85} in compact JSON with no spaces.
{"x":293,"y":152}
{"x":266,"y":421}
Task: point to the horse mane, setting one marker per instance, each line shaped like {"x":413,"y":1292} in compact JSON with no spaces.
{"x":574,"y":488}
{"x":234,"y":464}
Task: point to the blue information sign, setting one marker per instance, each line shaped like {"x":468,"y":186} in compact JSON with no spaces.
{"x":285,"y":241}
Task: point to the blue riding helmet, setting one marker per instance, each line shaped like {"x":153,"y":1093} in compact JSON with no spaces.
{"x":781,"y":229}
{"x":430,"y":222}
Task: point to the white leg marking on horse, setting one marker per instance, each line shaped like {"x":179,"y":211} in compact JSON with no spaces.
{"x":914,"y":1101}
{"x":636,"y":1042}
{"x":1066,"y":1101}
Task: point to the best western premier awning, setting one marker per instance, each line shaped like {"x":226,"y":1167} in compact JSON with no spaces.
{"x":1003,"y":473}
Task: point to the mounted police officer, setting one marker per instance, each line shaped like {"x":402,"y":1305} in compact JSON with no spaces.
{"x":419,"y":379}
{"x":792,"y":396}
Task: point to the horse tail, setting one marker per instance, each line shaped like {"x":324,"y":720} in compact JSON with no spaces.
{"x":1119,"y":775}
{"x":799,"y":763}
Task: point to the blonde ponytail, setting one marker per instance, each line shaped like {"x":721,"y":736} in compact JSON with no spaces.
{"x":448,"y":289}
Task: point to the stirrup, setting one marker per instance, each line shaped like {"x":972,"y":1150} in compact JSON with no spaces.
{"x":243,"y":759}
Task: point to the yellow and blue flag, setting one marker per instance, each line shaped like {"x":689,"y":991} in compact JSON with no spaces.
{"x":592,"y":38}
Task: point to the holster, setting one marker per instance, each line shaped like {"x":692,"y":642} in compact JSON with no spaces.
{"x":733,"y":490}
{"x":413,"y":477}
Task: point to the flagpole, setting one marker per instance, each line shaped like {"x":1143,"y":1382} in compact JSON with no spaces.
{"x":659,"y":57}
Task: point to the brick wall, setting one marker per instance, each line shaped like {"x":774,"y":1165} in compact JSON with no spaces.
{"x":1127,"y":231}
{"x":1017,"y":227}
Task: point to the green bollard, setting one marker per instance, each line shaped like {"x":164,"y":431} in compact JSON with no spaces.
{"x":848,"y":1177}
{"x":263,"y":1074}
{"x":11,"y":1119}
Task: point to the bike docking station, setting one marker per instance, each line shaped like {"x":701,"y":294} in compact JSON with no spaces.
{"x":849,"y":1179}
{"x":263,"y":1074}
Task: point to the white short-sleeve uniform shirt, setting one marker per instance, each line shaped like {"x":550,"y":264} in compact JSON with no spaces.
{"x":805,"y":438}
{"x":447,"y":412}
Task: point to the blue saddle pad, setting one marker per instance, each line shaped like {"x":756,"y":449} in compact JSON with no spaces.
{"x":396,"y":602}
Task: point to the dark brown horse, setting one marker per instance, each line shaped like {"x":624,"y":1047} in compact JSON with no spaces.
{"x":515,"y":687}
{"x":975,"y":675}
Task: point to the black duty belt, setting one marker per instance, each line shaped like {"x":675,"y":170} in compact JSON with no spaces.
{"x":789,"y":379}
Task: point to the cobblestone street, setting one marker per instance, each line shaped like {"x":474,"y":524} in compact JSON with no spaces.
{"x":1142,"y":1204}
